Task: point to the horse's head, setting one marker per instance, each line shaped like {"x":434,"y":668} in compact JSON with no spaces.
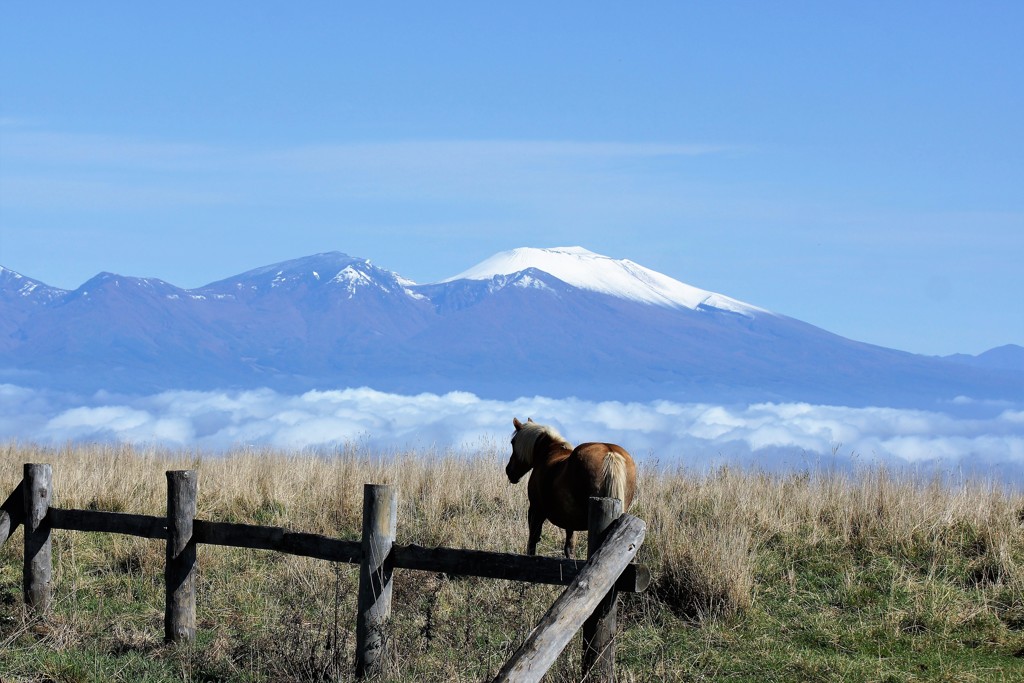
{"x":529,"y":442}
{"x":521,"y":460}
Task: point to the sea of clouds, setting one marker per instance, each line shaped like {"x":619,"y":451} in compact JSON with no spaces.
{"x":972,"y":437}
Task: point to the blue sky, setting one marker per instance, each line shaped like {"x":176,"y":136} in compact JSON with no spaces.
{"x":856,"y":165}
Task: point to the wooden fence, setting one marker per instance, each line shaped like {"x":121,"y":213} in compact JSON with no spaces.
{"x":588,"y":601}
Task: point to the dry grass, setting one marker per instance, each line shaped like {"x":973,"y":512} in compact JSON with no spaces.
{"x":731,"y":552}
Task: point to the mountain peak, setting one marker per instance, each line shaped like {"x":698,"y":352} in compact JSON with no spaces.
{"x":331,"y":270}
{"x":621,"y":278}
{"x":305,"y":269}
{"x":13,"y":283}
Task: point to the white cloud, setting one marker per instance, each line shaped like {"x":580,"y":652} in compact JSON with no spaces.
{"x":772,"y":436}
{"x":120,"y":423}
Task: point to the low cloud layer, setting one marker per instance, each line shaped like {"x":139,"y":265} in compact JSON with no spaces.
{"x":771,"y":436}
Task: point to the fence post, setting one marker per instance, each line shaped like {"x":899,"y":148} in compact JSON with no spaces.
{"x":12,"y":512}
{"x":599,"y":628}
{"x":38,"y":492}
{"x":179,"y":572}
{"x":380,"y":519}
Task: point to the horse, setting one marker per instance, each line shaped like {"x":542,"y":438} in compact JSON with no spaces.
{"x":565,"y":478}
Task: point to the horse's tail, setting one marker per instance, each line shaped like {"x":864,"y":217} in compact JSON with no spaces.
{"x":614,"y":484}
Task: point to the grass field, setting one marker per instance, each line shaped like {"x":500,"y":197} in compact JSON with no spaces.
{"x":803,"y":577}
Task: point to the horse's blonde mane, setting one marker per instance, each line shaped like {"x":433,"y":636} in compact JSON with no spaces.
{"x":527,"y":437}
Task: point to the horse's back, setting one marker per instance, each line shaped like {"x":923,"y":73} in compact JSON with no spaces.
{"x":605,"y":469}
{"x":562,"y":488}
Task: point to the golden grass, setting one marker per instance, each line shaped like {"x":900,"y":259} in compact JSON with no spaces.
{"x":703,"y":531}
{"x":714,"y":543}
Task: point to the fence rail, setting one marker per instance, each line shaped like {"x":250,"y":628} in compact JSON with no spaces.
{"x":590,"y":596}
{"x":452,"y":561}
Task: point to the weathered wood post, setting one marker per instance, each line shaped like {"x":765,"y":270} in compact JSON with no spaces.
{"x":573,"y":607}
{"x":38,"y":492}
{"x":12,"y":512}
{"x":179,"y":572}
{"x":380,"y":519}
{"x":599,"y":629}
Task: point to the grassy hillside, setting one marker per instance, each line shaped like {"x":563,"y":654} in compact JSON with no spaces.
{"x":806,"y":577}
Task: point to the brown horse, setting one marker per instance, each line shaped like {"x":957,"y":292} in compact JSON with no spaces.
{"x":564,"y":478}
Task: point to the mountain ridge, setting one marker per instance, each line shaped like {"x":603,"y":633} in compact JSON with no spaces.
{"x":331,"y":320}
{"x":1004,"y":357}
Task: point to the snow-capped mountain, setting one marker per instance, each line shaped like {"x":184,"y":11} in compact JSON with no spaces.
{"x":15,"y":285}
{"x":332,"y":271}
{"x":586,"y":270}
{"x":555,"y":322}
{"x":21,"y":297}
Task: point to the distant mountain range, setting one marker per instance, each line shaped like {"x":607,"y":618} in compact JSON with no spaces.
{"x":1007,"y":357}
{"x":554,"y":322}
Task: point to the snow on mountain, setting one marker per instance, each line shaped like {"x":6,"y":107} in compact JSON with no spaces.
{"x":550,"y":322}
{"x":621,"y":278}
{"x":330,"y":269}
{"x":14,"y":284}
{"x":136,"y":285}
{"x":357,"y":276}
{"x":20,"y":298}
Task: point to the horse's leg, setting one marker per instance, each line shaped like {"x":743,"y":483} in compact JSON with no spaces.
{"x":536,"y":522}
{"x":570,"y":544}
